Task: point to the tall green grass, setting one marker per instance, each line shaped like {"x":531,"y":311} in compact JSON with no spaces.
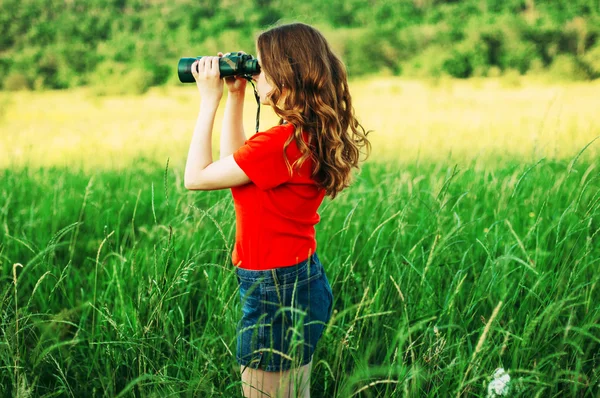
{"x":120,"y":283}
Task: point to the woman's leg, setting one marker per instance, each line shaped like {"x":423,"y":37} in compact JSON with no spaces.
{"x":293,"y":383}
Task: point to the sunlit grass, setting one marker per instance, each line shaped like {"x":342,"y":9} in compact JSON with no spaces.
{"x":440,"y":276}
{"x":410,"y":120}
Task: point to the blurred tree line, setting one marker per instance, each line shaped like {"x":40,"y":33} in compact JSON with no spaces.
{"x":130,"y":45}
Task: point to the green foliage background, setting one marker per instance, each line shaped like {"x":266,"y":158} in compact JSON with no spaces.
{"x":135,"y":44}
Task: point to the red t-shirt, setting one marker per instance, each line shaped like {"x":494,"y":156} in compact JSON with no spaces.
{"x":276,"y":212}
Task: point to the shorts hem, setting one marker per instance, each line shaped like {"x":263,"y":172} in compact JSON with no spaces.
{"x":252,"y":364}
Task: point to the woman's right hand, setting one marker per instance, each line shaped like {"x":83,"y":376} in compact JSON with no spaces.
{"x":235,"y":84}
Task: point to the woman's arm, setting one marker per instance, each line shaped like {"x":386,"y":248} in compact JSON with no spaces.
{"x":232,"y":133}
{"x":200,"y":171}
{"x":200,"y":152}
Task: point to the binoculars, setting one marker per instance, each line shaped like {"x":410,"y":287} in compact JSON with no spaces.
{"x":230,"y":64}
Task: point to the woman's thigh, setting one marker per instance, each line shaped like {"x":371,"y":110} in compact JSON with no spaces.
{"x":257,"y":383}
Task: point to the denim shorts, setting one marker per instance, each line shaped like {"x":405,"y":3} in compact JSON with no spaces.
{"x":284,"y":313}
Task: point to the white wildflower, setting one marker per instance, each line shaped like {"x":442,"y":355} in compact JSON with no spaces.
{"x":499,"y":386}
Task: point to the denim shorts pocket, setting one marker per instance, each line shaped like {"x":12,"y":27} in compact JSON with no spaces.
{"x":250,"y":328}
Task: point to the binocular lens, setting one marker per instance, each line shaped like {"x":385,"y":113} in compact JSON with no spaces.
{"x":184,"y":70}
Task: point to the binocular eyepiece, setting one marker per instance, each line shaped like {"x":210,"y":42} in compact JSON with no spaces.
{"x":230,"y":64}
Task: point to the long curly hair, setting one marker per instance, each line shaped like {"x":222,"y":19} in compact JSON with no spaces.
{"x":310,"y":91}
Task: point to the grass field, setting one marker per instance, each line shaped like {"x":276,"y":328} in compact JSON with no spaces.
{"x":470,"y":241}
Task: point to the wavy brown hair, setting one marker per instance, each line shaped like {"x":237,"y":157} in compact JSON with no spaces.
{"x":310,"y":91}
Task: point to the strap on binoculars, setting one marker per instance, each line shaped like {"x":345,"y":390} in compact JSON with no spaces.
{"x":249,"y":78}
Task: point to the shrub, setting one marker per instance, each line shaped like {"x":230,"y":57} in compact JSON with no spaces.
{"x":477,"y":54}
{"x":545,"y":37}
{"x":494,"y":71}
{"x":413,"y":40}
{"x":574,"y":36}
{"x":511,"y":78}
{"x":113,"y":78}
{"x":536,"y":68}
{"x":458,"y":64}
{"x":137,"y":81}
{"x":591,"y":60}
{"x":566,"y":67}
{"x":5,"y":65}
{"x":16,"y":81}
{"x":429,"y":63}
{"x":369,"y":53}
{"x":518,"y":55}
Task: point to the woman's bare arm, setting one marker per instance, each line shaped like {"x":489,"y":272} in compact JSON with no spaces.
{"x":200,"y":171}
{"x":232,"y":133}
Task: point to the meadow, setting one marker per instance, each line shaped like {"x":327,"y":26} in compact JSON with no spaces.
{"x":470,"y":241}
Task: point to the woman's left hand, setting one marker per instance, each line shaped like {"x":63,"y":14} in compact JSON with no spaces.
{"x":208,"y":78}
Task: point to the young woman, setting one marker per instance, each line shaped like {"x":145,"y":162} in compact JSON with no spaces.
{"x":278,"y":179}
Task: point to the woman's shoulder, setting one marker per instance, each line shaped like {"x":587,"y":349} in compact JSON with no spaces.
{"x":272,"y":139}
{"x":279,"y":136}
{"x":281,"y":130}
{"x":276,"y":134}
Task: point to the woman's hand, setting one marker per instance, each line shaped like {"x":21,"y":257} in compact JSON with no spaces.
{"x":235,"y":84}
{"x":208,"y":78}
